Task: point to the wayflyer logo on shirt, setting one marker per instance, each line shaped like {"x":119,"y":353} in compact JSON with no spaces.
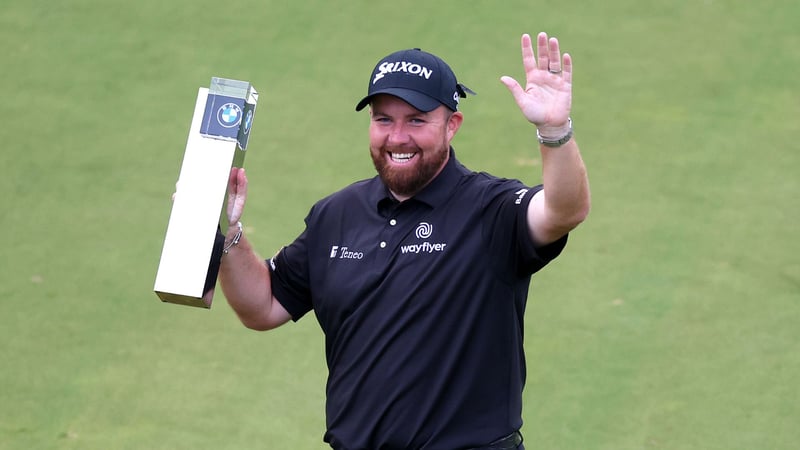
{"x":424,"y":231}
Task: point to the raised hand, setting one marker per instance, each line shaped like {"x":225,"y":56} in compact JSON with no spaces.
{"x":547,"y":97}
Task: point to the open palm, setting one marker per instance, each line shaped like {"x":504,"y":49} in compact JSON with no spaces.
{"x":546,"y":99}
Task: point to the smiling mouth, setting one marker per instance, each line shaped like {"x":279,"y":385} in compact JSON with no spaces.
{"x":401,"y":157}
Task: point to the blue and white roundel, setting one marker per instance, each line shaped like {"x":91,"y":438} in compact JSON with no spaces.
{"x":229,"y":115}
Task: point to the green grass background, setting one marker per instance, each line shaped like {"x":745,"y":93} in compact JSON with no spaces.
{"x":672,"y":321}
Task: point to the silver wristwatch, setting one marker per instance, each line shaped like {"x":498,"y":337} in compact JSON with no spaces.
{"x":556,"y":142}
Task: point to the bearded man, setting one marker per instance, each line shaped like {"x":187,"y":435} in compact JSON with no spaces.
{"x":419,"y":276}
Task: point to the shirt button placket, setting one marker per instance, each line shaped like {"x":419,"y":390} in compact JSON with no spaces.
{"x":392,"y":222}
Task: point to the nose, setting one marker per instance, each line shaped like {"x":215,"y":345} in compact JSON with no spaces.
{"x":398,"y":135}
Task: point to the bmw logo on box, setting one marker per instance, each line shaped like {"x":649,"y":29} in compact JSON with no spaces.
{"x":229,"y":115}
{"x":222,"y":117}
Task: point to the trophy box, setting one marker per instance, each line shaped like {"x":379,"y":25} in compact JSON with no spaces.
{"x":190,"y":258}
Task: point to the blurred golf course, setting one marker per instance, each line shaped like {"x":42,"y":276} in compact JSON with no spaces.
{"x":671,"y":321}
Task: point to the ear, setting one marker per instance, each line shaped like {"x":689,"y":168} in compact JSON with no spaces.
{"x":453,"y":124}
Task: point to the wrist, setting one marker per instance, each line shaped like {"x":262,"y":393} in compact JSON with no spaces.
{"x":554,"y":136}
{"x":231,"y":241}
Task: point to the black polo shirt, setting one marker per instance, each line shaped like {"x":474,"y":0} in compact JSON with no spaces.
{"x":422,"y":304}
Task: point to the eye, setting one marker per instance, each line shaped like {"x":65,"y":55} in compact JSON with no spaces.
{"x":417,"y":121}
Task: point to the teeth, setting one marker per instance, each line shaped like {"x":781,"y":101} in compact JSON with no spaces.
{"x":402,"y":157}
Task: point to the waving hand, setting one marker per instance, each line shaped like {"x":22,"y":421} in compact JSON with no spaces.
{"x":546,"y":98}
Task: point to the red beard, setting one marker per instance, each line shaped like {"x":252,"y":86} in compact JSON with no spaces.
{"x":409,"y":179}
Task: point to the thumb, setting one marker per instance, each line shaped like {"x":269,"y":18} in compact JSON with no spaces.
{"x":237,"y":194}
{"x":513,"y":86}
{"x":233,"y":178}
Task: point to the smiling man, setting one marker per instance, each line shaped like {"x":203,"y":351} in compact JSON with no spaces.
{"x":419,"y":276}
{"x":413,"y":99}
{"x":409,"y":147}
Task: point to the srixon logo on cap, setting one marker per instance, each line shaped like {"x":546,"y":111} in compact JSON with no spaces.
{"x":402,"y":66}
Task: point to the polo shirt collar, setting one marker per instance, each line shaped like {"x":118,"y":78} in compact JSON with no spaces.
{"x":434,"y":194}
{"x":438,"y":190}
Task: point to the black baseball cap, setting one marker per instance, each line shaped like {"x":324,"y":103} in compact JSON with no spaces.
{"x":420,"y":78}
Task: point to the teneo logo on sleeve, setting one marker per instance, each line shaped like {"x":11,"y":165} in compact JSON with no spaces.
{"x":520,"y":195}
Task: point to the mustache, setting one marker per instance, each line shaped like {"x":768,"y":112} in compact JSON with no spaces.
{"x":400,"y":149}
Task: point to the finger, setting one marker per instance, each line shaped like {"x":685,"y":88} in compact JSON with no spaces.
{"x":567,"y":68}
{"x":237,"y":194}
{"x":528,"y":58}
{"x":542,"y":51}
{"x":512,"y":85}
{"x":554,"y":56}
{"x":234,"y":175}
{"x":241,"y":184}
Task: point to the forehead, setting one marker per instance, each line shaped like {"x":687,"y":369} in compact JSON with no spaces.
{"x":390,"y":105}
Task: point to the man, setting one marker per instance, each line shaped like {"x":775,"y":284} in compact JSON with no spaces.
{"x":419,"y":276}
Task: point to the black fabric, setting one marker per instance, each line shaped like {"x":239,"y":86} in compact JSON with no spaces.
{"x":511,"y":442}
{"x":421,"y":79}
{"x":214,"y":262}
{"x":424,"y":334}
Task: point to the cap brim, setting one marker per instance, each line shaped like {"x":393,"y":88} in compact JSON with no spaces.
{"x":416,"y":99}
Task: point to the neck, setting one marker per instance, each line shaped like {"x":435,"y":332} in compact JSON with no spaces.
{"x":398,"y":197}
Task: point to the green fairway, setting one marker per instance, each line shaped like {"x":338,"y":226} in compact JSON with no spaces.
{"x":671,"y":321}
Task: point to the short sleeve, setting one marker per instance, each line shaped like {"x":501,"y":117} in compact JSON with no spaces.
{"x":506,"y":229}
{"x":290,"y":277}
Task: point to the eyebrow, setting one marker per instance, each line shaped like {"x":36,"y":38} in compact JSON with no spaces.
{"x":376,"y":111}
